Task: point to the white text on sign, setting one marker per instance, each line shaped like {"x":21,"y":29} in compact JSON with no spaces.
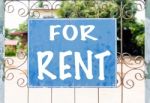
{"x":86,"y":32}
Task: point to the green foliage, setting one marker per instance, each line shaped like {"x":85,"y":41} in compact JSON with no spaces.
{"x":40,"y":4}
{"x":133,"y":31}
{"x":140,"y":40}
{"x":10,"y":51}
{"x":137,"y":30}
{"x":86,"y":9}
{"x":7,"y":34}
{"x":23,"y":27}
{"x":95,"y":8}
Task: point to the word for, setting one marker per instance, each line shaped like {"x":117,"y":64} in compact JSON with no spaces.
{"x":85,"y":31}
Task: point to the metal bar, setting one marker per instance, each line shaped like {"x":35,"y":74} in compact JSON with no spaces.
{"x":51,"y":95}
{"x":147,"y":52}
{"x":98,"y":96}
{"x":121,"y":49}
{"x":28,"y":95}
{"x":28,"y":89}
{"x":1,"y":51}
{"x":74,"y":95}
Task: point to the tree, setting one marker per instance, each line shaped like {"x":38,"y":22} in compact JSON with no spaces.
{"x":133,"y":31}
{"x":40,"y":4}
{"x":86,"y":9}
{"x":23,"y":27}
{"x":7,"y":34}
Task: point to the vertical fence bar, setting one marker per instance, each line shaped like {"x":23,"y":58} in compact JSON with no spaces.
{"x":51,"y":95}
{"x":28,"y":89}
{"x":74,"y":95}
{"x":1,"y":51}
{"x":121,"y":48}
{"x":147,"y":51}
{"x":98,"y":96}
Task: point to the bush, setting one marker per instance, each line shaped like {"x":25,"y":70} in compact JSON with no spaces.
{"x":10,"y":51}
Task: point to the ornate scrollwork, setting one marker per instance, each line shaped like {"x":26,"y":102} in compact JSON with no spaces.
{"x":129,"y":11}
{"x":133,"y":62}
{"x":118,"y":58}
{"x":47,"y":5}
{"x":140,"y":5}
{"x":23,"y":11}
{"x":10,"y":62}
{"x":21,"y":55}
{"x":34,"y":12}
{"x":12,"y":67}
{"x":9,"y":76}
{"x":56,"y":5}
{"x":21,"y":80}
{"x":134,"y":66}
{"x":139,"y":75}
{"x":124,"y":11}
{"x":119,"y":79}
{"x":9,"y":8}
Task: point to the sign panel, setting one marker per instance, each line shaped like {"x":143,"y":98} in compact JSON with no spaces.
{"x":72,"y":52}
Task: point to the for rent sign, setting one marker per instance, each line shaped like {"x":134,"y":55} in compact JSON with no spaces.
{"x":72,"y":53}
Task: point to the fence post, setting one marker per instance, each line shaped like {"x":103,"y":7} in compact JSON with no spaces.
{"x":1,"y":51}
{"x":147,"y":51}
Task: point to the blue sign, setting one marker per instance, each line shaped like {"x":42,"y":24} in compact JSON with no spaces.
{"x":72,"y":52}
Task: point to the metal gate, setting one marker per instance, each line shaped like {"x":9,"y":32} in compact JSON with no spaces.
{"x":130,"y":75}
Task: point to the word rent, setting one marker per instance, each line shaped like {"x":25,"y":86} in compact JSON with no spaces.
{"x":85,"y":33}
